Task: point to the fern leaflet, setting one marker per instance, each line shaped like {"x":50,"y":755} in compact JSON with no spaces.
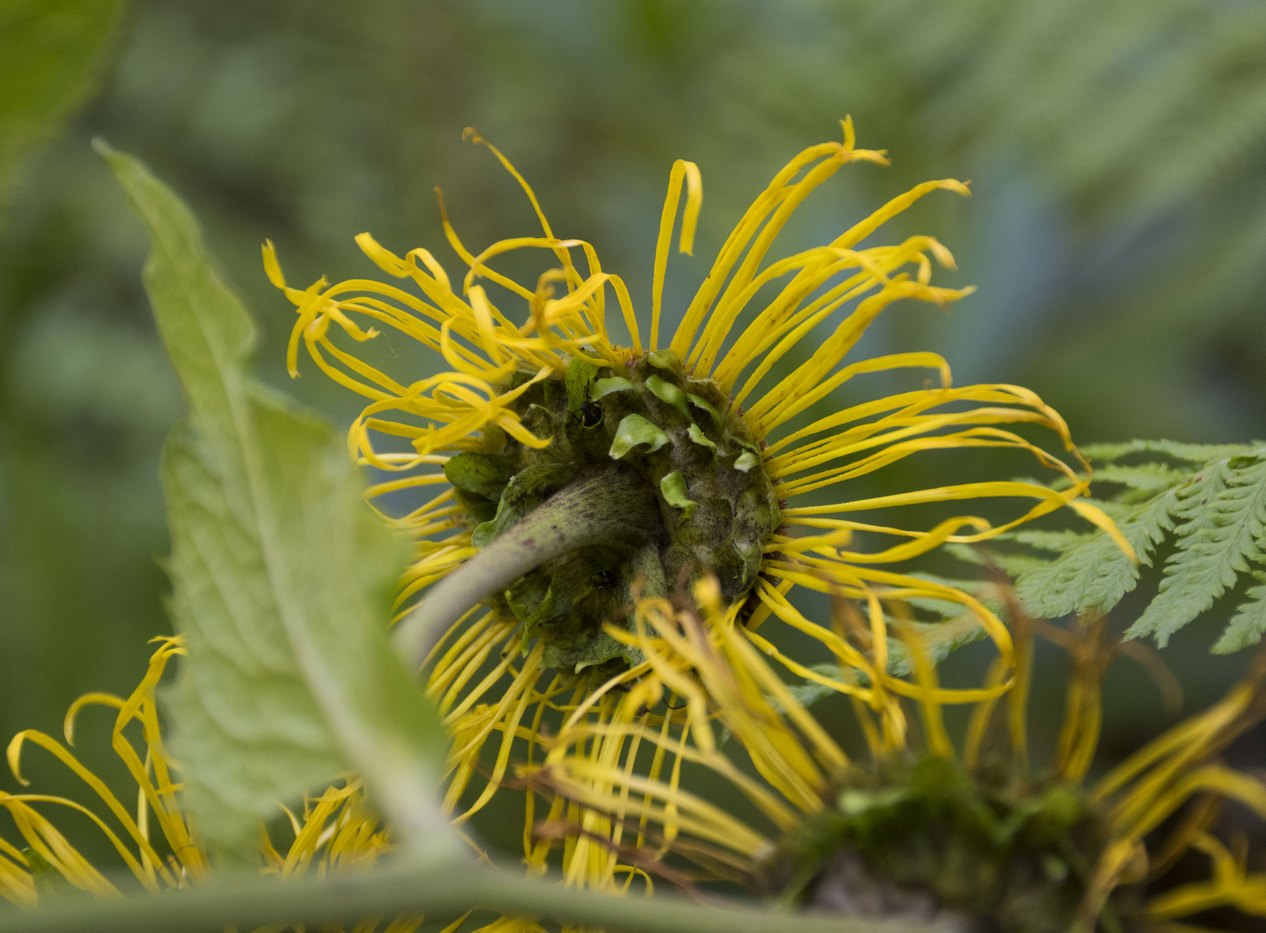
{"x":1090,"y":572}
{"x":1248,"y":624}
{"x":1223,"y":515}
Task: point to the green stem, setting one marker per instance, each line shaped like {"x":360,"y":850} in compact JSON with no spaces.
{"x":650,"y":570}
{"x":613,"y":507}
{"x":442,"y":889}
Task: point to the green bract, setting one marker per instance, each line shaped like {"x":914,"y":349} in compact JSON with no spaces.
{"x":717,"y":505}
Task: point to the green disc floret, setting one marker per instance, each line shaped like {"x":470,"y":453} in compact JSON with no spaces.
{"x":716,"y":506}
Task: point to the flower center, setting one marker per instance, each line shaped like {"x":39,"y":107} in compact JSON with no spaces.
{"x":927,"y":836}
{"x":716,"y":504}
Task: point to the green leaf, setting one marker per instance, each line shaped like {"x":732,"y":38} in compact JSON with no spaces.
{"x":604,"y":387}
{"x":695,"y":433}
{"x":479,"y":474}
{"x":673,"y":488}
{"x":50,"y":884}
{"x":1195,"y":454}
{"x":281,"y":578}
{"x":1248,"y":624}
{"x":705,"y":406}
{"x":579,"y":383}
{"x":1207,"y":500}
{"x":937,"y":639}
{"x":51,"y":53}
{"x":1223,"y":517}
{"x":984,"y":590}
{"x":1145,"y":477}
{"x":669,"y":393}
{"x":807,"y":692}
{"x":524,"y":492}
{"x":1090,"y":571}
{"x":634,"y":431}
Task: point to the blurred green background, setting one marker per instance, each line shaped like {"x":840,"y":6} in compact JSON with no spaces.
{"x":1117,"y":230}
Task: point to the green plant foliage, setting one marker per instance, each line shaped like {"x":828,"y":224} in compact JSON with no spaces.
{"x":1146,"y":77}
{"x":1208,"y":502}
{"x":937,"y":639}
{"x":281,"y":577}
{"x":51,"y":52}
{"x":1133,"y":129}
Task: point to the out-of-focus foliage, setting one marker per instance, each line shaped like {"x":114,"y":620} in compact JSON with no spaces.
{"x":1132,"y":132}
{"x":50,"y":53}
{"x":1116,"y":232}
{"x":53,"y":54}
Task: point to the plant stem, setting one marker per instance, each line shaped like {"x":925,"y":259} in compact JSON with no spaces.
{"x":442,"y":889}
{"x":612,"y":507}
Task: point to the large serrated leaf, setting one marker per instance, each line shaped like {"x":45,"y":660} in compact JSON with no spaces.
{"x":281,"y":578}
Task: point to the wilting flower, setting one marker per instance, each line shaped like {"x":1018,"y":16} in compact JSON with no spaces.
{"x":155,"y":841}
{"x":916,"y":826}
{"x":713,"y":435}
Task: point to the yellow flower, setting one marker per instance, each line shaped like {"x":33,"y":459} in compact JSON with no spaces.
{"x":915,"y":826}
{"x":721,"y":427}
{"x":155,"y":841}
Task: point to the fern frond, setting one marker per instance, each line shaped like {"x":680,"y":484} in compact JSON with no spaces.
{"x":985,"y":590}
{"x":1050,"y":541}
{"x":1172,"y":450}
{"x":1230,"y":131}
{"x":1142,"y":477}
{"x":1090,"y":571}
{"x":1209,"y":500}
{"x":1223,"y":513}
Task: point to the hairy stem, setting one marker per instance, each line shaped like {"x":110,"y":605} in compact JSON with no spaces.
{"x":442,"y":889}
{"x":612,"y":507}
